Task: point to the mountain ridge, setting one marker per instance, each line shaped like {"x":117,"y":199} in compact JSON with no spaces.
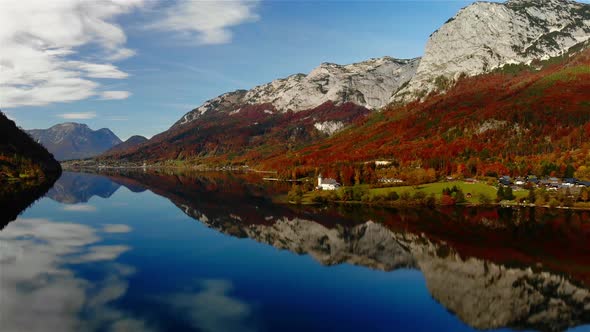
{"x":130,"y":143}
{"x":369,"y":84}
{"x":71,"y":140}
{"x":258,"y":127}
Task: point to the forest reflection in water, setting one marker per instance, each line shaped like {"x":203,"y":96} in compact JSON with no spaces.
{"x":491,"y":267}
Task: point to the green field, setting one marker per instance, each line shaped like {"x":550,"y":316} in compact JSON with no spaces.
{"x":475,"y":189}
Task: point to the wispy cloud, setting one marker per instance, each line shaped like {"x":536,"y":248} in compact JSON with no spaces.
{"x":79,"y":208}
{"x":207,"y":22}
{"x":115,"y":95}
{"x":116,"y":228}
{"x":117,"y":118}
{"x":40,"y":39}
{"x":77,"y":116}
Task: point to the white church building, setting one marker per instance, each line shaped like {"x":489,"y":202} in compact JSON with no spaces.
{"x":327,"y":184}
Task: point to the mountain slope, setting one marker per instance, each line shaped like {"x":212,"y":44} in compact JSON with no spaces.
{"x":130,"y":143}
{"x":27,"y":170}
{"x":485,"y":36}
{"x":219,"y":137}
{"x":503,"y":103}
{"x":21,"y":155}
{"x":520,"y":120}
{"x":369,"y":84}
{"x":279,"y":116}
{"x":74,"y":140}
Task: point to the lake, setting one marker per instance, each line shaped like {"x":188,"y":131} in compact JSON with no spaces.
{"x":140,"y":251}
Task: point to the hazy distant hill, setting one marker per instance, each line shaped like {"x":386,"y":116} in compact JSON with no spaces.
{"x":132,"y":142}
{"x":74,"y":140}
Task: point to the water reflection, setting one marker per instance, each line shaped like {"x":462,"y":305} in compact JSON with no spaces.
{"x":493,"y":268}
{"x":73,"y":188}
{"x":40,"y":290}
{"x":211,"y":308}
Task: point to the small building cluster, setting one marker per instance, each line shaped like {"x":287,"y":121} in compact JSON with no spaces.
{"x":551,"y":183}
{"x":327,"y":183}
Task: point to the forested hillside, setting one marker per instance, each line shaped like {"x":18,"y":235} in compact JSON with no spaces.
{"x":518,"y":120}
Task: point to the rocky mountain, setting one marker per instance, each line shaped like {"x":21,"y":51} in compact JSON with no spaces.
{"x":488,"y":35}
{"x":130,"y":143}
{"x":369,"y":84}
{"x":511,"y":121}
{"x":74,"y":140}
{"x":259,"y":129}
{"x":499,"y":64}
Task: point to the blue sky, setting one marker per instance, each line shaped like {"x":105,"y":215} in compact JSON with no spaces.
{"x":158,"y":62}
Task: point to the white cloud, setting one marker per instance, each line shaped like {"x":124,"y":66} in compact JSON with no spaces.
{"x":115,"y":95}
{"x":40,"y":42}
{"x":95,"y":70}
{"x":207,"y":21}
{"x":76,"y":116}
{"x":39,"y":59}
{"x":116,"y":228}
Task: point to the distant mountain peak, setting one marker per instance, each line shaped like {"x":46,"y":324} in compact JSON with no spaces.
{"x":71,"y":140}
{"x":130,"y":143}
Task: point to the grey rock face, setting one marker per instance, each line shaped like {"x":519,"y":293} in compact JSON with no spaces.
{"x":485,"y":35}
{"x":370,"y":84}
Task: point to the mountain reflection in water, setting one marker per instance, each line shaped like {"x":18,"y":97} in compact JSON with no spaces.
{"x":491,"y":267}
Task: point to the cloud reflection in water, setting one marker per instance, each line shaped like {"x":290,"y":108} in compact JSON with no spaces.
{"x":36,"y":282}
{"x":213,"y":309}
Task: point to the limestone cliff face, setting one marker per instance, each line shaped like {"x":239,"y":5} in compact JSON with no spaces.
{"x":485,"y":35}
{"x":369,"y":84}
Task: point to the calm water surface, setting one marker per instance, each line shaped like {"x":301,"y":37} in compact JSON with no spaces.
{"x":148,"y":252}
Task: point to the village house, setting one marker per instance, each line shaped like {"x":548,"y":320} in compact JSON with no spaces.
{"x":391,"y":181}
{"x":505,"y":180}
{"x":382,"y":162}
{"x":327,"y":184}
{"x":520,"y":182}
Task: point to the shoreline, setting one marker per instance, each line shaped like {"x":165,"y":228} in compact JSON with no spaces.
{"x":308,"y":196}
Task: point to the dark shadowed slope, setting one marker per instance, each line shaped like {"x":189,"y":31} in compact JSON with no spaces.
{"x":27,"y":170}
